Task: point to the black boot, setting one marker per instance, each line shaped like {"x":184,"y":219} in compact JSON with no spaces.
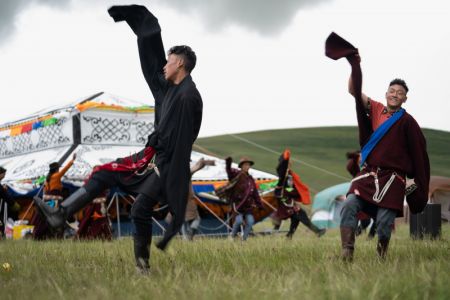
{"x":56,"y":217}
{"x":295,"y":220}
{"x":382,"y":247}
{"x":372,"y":231}
{"x":303,"y":217}
{"x":142,"y":253}
{"x":318,"y":231}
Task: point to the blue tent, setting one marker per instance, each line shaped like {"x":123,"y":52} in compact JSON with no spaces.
{"x":327,"y":205}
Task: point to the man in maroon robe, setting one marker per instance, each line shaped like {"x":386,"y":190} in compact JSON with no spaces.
{"x":379,"y":188}
{"x":244,"y":195}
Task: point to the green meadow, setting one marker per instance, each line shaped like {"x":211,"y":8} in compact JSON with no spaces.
{"x":318,"y":153}
{"x":264,"y":267}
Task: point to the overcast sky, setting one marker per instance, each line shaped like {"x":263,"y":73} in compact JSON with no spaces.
{"x":261,"y":63}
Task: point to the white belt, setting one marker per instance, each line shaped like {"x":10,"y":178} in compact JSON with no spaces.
{"x":379,"y":195}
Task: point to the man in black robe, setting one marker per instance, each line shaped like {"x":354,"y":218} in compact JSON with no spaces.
{"x":178,"y":115}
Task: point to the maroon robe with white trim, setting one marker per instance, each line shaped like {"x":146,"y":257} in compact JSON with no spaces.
{"x":402,"y":149}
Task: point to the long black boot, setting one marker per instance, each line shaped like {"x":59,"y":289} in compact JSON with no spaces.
{"x":372,"y":231}
{"x":141,"y":214}
{"x":305,"y":220}
{"x":56,"y":217}
{"x":382,"y":248}
{"x":142,"y":253}
{"x":295,"y":220}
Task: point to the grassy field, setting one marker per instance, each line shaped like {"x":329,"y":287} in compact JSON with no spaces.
{"x":322,"y":148}
{"x":264,"y":267}
{"x":267,"y":267}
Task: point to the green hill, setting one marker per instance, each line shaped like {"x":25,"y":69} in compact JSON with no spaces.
{"x":318,"y":153}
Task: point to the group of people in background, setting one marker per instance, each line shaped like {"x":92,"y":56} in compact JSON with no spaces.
{"x":90,"y":223}
{"x":243,"y":197}
{"x":290,"y":192}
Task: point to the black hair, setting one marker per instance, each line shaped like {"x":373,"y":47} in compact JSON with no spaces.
{"x":53,"y":168}
{"x":2,"y":170}
{"x":399,"y":82}
{"x":189,"y":57}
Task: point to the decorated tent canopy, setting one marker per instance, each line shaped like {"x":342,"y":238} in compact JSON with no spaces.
{"x":29,"y":145}
{"x":99,"y":129}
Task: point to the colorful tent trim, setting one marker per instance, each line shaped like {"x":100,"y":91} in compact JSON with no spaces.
{"x":17,"y":129}
{"x":26,"y":128}
{"x":37,"y":125}
{"x":210,"y":185}
{"x":29,"y":126}
{"x":92,"y":104}
{"x":49,"y":122}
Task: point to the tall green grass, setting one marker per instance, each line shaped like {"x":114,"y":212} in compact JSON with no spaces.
{"x":266,"y":267}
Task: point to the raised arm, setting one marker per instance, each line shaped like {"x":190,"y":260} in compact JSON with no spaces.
{"x":231,"y":172}
{"x":337,"y":48}
{"x":64,"y":170}
{"x":351,"y":89}
{"x":151,"y":50}
{"x":201,"y":163}
{"x":361,"y":100}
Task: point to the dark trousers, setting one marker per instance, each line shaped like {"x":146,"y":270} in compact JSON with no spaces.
{"x":298,"y":217}
{"x":141,"y":215}
{"x":385,"y":217}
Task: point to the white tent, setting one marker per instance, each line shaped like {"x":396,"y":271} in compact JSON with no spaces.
{"x":101,"y":123}
{"x":99,"y":129}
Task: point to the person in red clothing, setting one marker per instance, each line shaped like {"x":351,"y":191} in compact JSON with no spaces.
{"x":393,"y":149}
{"x":95,"y":223}
{"x":244,"y":195}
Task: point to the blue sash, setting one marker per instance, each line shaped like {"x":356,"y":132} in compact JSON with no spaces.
{"x":378,"y":134}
